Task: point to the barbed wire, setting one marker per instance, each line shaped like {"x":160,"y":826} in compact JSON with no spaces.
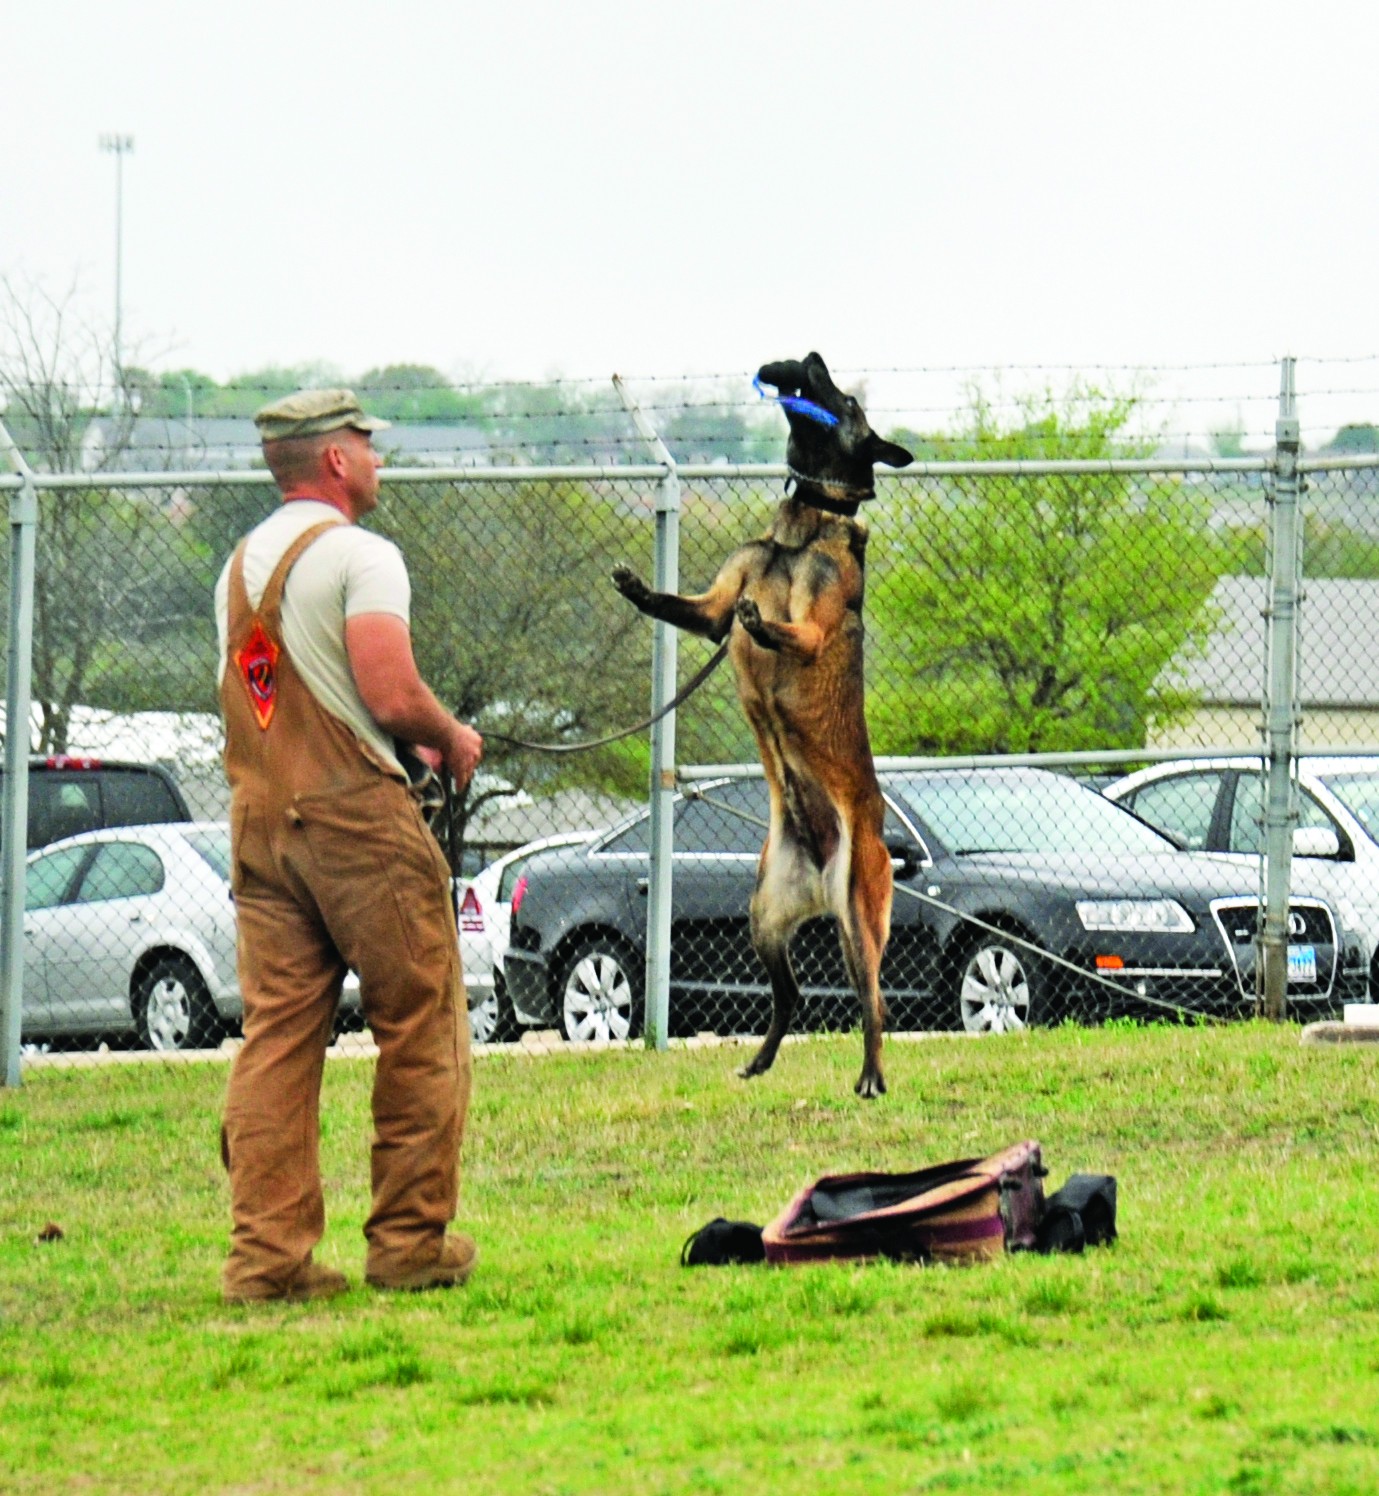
{"x":713,"y":417}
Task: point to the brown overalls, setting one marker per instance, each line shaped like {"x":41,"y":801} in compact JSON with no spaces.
{"x":332,"y":868}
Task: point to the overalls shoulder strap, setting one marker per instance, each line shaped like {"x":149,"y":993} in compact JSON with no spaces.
{"x":240,"y":610}
{"x":270,"y":604}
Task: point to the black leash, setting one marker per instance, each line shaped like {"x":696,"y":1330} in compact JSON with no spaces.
{"x":685,"y":691}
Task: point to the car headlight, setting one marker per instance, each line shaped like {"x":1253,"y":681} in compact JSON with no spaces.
{"x":1161,"y":916}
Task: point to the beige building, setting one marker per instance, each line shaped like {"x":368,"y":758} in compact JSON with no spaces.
{"x":1338,"y":661}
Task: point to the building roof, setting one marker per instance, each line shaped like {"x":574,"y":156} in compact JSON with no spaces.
{"x":1338,"y":644}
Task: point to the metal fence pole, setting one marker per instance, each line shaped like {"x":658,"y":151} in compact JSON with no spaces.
{"x":663,"y":667}
{"x":1281,"y":703}
{"x":14,"y":826}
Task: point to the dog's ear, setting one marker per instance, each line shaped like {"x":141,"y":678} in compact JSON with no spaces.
{"x":787,"y":375}
{"x":891,"y":453}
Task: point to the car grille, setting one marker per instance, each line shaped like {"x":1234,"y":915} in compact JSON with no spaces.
{"x":1309,"y":923}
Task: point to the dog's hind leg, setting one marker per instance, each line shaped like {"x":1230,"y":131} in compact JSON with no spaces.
{"x":787,"y":893}
{"x":864,"y":924}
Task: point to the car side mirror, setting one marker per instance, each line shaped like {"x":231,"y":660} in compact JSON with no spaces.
{"x":1316,"y":841}
{"x":905,"y":856}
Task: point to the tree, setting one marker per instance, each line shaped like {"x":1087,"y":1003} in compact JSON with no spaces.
{"x":414,"y":392}
{"x":1229,"y":441}
{"x":1038,"y":613}
{"x":717,"y":429}
{"x":58,"y":373}
{"x":518,"y":629}
{"x":1356,"y":437}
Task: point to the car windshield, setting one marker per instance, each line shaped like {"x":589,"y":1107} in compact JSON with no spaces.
{"x":1021,"y":811}
{"x":1358,"y":791}
{"x":214,"y":846}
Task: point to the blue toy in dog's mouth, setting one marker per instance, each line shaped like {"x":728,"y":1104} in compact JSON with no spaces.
{"x":798,"y":403}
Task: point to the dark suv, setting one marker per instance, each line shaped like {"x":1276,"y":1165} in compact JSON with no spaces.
{"x":1019,"y":900}
{"x":69,"y":794}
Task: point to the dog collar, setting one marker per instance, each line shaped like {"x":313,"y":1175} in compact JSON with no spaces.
{"x":836,"y":498}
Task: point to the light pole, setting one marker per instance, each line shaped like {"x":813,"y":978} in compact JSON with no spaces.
{"x":187,"y":385}
{"x":119,"y":146}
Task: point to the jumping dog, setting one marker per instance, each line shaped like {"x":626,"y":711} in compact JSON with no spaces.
{"x":792,"y":604}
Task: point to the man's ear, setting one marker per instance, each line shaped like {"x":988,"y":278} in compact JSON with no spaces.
{"x":334,"y":461}
{"x":893,"y":455}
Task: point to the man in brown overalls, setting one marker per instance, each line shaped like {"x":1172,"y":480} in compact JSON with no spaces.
{"x":334,"y":868}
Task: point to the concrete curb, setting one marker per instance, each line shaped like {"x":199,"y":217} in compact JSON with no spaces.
{"x":1331,"y":1032}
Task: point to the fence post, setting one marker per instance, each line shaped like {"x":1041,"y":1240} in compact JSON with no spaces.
{"x":14,"y":825}
{"x":663,"y":667}
{"x":1280,"y":702}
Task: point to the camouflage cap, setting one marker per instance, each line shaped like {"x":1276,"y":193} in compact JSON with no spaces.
{"x":313,"y":413}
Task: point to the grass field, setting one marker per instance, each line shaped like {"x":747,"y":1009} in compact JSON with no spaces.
{"x":1228,"y":1343}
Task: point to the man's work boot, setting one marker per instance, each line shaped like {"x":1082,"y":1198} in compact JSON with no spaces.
{"x":310,"y":1281}
{"x":448,"y":1269}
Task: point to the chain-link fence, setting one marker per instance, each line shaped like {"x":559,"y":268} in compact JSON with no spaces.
{"x":1096,"y":628}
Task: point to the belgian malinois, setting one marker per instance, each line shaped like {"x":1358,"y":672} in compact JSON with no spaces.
{"x":795,"y":597}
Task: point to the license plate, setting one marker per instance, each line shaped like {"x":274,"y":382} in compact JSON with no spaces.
{"x":1302,"y":963}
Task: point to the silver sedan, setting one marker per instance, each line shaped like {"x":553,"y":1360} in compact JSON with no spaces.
{"x":130,"y":932}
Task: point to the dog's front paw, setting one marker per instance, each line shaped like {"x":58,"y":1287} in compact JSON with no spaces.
{"x":749,"y":616}
{"x":630,"y":584}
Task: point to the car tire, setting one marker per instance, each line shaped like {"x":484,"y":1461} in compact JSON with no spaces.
{"x":600,"y":993}
{"x":173,"y":1008}
{"x":999,"y":986}
{"x":492,"y":1021}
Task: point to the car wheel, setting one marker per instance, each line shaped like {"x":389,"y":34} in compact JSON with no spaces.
{"x":601,"y":992}
{"x":492,"y":1021}
{"x":999,"y":987}
{"x":173,"y":1008}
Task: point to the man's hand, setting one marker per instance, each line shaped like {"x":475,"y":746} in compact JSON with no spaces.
{"x":463,"y":753}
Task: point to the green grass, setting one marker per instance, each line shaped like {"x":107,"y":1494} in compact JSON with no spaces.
{"x":1228,"y":1343}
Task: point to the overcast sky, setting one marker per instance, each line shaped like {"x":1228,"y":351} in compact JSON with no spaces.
{"x":519,"y":189}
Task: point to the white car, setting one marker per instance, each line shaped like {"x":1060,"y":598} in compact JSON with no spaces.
{"x":484,"y":918}
{"x":1217,"y":805}
{"x":130,"y":931}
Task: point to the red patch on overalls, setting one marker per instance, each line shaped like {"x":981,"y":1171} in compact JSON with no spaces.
{"x":258,"y":664}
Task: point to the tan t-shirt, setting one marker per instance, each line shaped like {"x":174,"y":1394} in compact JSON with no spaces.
{"x":344,"y":573}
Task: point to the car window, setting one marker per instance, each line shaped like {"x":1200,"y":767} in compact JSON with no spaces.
{"x":725,"y":818}
{"x":1358,"y":791}
{"x":121,"y":870}
{"x":1019,"y":810}
{"x":64,"y":805}
{"x":1247,"y":814}
{"x":1182,"y":803}
{"x":634,"y":838}
{"x":214,"y":846}
{"x":133,"y":798}
{"x":47,"y":879}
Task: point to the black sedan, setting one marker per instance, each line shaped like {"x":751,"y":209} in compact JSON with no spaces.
{"x":1020,"y":897}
